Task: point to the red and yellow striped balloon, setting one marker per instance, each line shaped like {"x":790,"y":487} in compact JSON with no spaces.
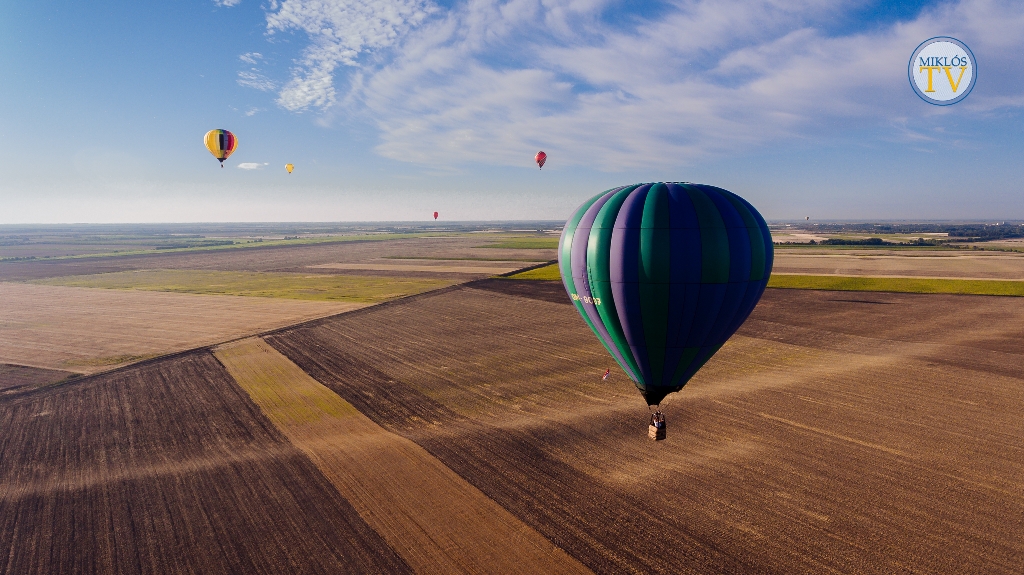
{"x":221,"y":144}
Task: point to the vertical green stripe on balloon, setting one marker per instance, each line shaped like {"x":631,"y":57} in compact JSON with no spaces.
{"x":714,"y":238}
{"x":754,"y":231}
{"x":684,"y":363}
{"x":654,"y":277}
{"x":598,"y":273}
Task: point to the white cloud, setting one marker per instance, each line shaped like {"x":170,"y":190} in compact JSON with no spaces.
{"x":255,"y":79}
{"x":339,"y":32}
{"x":252,"y":165}
{"x":227,"y":3}
{"x":253,"y":111}
{"x":251,"y":57}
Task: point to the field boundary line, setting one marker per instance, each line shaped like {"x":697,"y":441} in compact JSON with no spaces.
{"x":526,"y":269}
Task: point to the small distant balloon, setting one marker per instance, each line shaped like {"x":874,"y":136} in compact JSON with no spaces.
{"x":540,"y":158}
{"x":807,"y":218}
{"x":289,"y":167}
{"x":435,"y":215}
{"x":221,"y":144}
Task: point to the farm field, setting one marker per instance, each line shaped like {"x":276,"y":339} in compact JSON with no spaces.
{"x":167,"y":468}
{"x":432,"y":517}
{"x":88,"y":330}
{"x":359,"y":289}
{"x":836,"y":433}
{"x":298,"y":258}
{"x":906,"y":262}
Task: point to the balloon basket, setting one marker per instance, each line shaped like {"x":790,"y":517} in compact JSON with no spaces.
{"x":656,"y":428}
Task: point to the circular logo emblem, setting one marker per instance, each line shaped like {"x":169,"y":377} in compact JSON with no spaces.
{"x":943,"y":71}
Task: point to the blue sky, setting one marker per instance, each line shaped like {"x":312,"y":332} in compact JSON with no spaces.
{"x":391,"y":109}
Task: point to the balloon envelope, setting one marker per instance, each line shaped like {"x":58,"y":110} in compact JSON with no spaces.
{"x":221,"y":144}
{"x":664,"y":274}
{"x":289,"y":167}
{"x":540,"y":158}
{"x":435,"y":215}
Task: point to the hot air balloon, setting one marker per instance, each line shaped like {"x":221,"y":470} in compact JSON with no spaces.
{"x":807,"y":218}
{"x":221,"y":144}
{"x":540,"y":158}
{"x":289,"y":167}
{"x":435,"y":215}
{"x":663,"y":274}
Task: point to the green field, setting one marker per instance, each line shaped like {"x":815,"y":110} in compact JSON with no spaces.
{"x":545,"y":273}
{"x":525,"y":244}
{"x":851,"y":283}
{"x":902,"y":285}
{"x":363,"y":289}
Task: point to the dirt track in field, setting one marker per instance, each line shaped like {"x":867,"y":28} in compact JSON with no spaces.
{"x":88,"y":330}
{"x":432,"y":517}
{"x":900,"y":263}
{"x":837,"y":433}
{"x":167,"y":468}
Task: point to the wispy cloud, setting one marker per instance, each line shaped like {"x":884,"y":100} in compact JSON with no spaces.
{"x":339,"y":32}
{"x":252,"y":165}
{"x":254,"y":77}
{"x":227,"y":3}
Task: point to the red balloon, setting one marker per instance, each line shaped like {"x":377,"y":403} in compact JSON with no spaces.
{"x":540,"y":158}
{"x":435,"y":215}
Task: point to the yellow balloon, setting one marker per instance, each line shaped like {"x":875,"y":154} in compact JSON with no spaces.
{"x":289,"y":167}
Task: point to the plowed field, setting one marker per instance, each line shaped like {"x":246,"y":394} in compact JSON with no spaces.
{"x":167,"y":468}
{"x":836,"y":433}
{"x":436,"y":521}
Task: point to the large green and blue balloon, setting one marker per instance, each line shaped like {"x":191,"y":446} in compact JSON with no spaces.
{"x":664,"y":274}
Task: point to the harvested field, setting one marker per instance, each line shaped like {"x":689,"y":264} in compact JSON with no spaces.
{"x":837,"y":433}
{"x":895,"y":262}
{"x":445,"y":267}
{"x":282,"y":258}
{"x":167,"y":468}
{"x":21,"y":375}
{"x":432,"y":517}
{"x":89,"y":330}
{"x":359,"y":289}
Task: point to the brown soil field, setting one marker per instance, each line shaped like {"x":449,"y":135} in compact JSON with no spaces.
{"x":900,"y":263}
{"x":296,"y":258}
{"x":21,"y":375}
{"x":167,"y":468}
{"x":837,"y":433}
{"x":88,"y":330}
{"x":432,"y":517}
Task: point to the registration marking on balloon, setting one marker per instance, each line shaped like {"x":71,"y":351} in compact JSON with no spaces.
{"x":586,"y":299}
